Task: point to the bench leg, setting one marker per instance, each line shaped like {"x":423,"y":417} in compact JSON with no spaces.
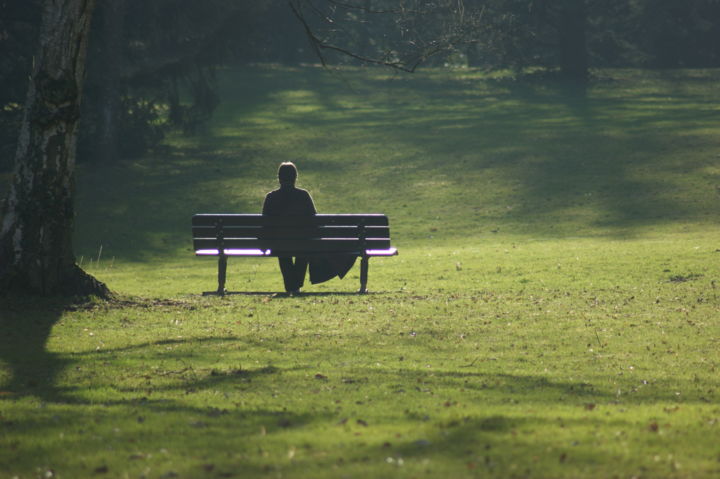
{"x":364,"y":263}
{"x":222,"y":270}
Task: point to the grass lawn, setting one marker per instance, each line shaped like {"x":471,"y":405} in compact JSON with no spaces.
{"x":553,"y":311}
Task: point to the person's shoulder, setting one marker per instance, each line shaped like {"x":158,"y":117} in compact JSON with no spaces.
{"x":272,"y":193}
{"x":305,"y":194}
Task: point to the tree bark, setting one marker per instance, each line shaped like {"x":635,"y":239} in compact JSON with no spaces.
{"x":113,"y":25}
{"x":36,"y":253}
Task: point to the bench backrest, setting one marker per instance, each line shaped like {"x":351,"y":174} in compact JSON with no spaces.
{"x":285,"y":235}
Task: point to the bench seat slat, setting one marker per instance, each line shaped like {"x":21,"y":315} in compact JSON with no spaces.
{"x":259,"y":252}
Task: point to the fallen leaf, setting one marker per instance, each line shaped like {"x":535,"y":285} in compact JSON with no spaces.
{"x":320,"y":376}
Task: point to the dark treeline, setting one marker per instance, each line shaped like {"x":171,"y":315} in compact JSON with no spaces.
{"x":151,"y":63}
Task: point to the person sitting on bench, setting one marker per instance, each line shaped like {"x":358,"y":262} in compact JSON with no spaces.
{"x":289,"y":200}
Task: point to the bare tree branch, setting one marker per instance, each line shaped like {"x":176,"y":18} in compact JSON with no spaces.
{"x":453,"y":27}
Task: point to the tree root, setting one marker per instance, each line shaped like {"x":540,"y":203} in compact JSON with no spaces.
{"x":74,"y":283}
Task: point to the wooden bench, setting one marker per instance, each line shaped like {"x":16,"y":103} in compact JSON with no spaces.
{"x":224,"y":235}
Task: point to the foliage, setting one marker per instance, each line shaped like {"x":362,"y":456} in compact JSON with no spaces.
{"x":160,"y":79}
{"x":550,"y":313}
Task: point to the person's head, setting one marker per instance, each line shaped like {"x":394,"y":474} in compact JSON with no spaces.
{"x":287,"y":173}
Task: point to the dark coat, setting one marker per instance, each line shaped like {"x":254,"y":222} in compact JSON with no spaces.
{"x":288,"y":200}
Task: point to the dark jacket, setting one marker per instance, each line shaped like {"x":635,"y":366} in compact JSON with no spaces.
{"x":288,"y":200}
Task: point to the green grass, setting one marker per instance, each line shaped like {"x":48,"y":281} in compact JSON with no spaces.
{"x":553,"y":311}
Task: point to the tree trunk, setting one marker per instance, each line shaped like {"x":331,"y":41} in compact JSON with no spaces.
{"x":36,"y":253}
{"x":572,"y":40}
{"x":109,"y":102}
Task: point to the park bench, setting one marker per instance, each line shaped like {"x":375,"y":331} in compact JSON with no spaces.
{"x":225,"y":235}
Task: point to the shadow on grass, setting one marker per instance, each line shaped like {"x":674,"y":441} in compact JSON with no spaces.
{"x":25,"y":326}
{"x":141,"y":211}
{"x":174,"y":438}
{"x":149,"y":345}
